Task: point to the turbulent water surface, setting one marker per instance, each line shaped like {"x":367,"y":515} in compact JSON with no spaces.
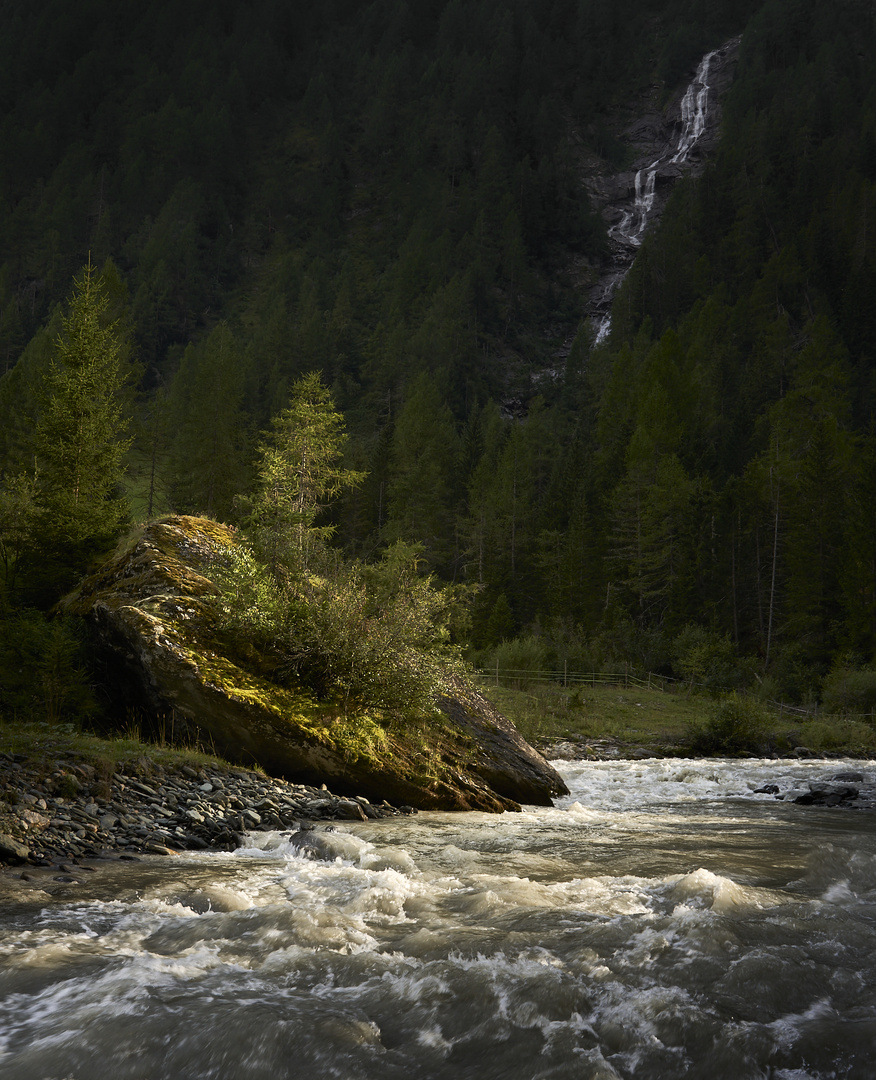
{"x":662,"y":921}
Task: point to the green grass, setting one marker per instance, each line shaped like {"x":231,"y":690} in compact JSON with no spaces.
{"x":633,"y":716}
{"x":44,"y":743}
{"x":661,"y":722}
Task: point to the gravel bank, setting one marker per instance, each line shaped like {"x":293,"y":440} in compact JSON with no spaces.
{"x":69,"y":811}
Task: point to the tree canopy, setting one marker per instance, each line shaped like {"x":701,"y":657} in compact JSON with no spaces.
{"x":387,"y":205}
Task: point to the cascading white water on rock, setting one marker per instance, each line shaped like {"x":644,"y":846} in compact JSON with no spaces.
{"x":694,"y":106}
{"x":694,"y":117}
{"x":632,"y":224}
{"x":629,"y":232}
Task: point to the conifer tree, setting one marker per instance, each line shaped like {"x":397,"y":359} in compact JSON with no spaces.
{"x":79,"y":439}
{"x":425,"y":452}
{"x":299,"y":471}
{"x":206,"y":469}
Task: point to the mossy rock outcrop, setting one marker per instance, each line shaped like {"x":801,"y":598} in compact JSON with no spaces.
{"x":153,"y":615}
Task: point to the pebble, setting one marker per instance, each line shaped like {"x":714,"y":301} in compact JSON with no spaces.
{"x":73,"y":813}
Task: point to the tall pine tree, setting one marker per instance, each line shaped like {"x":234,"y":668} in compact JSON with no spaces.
{"x":79,"y":440}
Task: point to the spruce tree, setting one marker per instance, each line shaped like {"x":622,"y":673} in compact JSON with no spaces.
{"x":206,"y":467}
{"x":79,"y":438}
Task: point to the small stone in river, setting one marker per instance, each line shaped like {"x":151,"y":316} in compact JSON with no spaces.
{"x":347,"y":808}
{"x":11,"y":851}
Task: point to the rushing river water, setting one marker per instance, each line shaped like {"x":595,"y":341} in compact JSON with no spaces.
{"x":663,"y":921}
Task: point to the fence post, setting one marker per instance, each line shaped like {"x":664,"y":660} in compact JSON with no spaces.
{"x":497,"y":673}
{"x":565,"y":674}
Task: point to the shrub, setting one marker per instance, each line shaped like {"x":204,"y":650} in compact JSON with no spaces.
{"x":794,"y":676}
{"x":849,"y":692}
{"x":624,"y":644}
{"x":374,"y":636}
{"x":569,"y":644}
{"x":704,"y":658}
{"x":735,"y":725}
{"x":855,"y":738}
{"x":521,"y":659}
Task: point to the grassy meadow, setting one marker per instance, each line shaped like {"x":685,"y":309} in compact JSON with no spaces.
{"x":631,"y":719}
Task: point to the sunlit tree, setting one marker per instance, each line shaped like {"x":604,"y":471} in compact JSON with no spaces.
{"x":299,"y":471}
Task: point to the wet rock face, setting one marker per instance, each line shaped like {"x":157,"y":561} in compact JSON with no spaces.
{"x":150,"y":610}
{"x":667,"y":144}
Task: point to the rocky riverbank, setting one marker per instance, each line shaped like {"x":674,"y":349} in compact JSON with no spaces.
{"x":57,"y":813}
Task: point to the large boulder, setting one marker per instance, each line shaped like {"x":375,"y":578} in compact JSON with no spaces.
{"x":153,"y":615}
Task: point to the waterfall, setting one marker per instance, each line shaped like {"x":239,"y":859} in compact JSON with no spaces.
{"x":694,"y":107}
{"x":628,"y":233}
{"x":632,"y":224}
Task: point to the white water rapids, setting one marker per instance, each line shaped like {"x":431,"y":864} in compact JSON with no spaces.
{"x":663,"y":921}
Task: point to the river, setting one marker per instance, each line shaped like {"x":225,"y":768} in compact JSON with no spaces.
{"x":662,"y":921}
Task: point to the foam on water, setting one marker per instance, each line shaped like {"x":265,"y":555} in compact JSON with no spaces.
{"x":661,"y":920}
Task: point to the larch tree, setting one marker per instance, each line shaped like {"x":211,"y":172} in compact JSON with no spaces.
{"x":299,"y":471}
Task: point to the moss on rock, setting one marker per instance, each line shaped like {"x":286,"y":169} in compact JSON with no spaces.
{"x":153,"y":614}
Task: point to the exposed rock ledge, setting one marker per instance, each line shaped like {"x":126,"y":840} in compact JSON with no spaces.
{"x":150,"y":611}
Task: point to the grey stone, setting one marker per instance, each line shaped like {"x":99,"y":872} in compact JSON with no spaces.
{"x":12,"y":851}
{"x":156,"y":849}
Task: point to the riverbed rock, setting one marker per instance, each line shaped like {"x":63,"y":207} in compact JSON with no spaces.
{"x":827,"y":795}
{"x":12,"y":851}
{"x":153,"y":616}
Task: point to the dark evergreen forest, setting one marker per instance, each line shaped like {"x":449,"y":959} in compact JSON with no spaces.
{"x":393,"y":195}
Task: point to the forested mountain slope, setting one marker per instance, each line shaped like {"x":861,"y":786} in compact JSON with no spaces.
{"x":393,"y":194}
{"x":735,"y":414}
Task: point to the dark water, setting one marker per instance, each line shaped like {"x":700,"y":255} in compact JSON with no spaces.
{"x":663,"y":921}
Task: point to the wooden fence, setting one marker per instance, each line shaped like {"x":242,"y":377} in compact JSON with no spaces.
{"x":567,"y":678}
{"x":649,"y":681}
